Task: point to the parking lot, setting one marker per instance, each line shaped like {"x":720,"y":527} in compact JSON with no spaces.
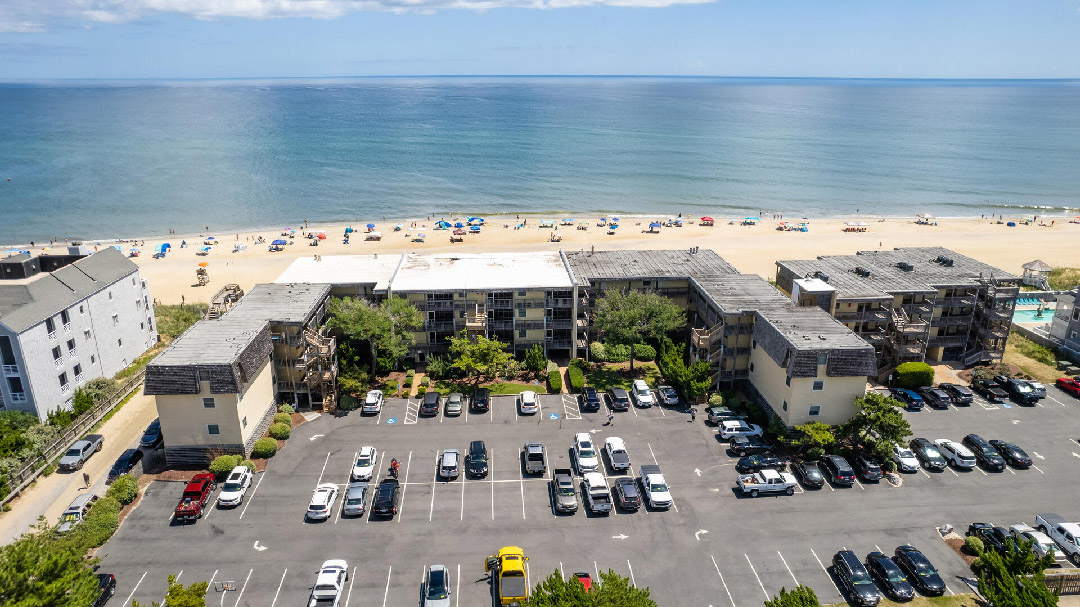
{"x":713,"y":548}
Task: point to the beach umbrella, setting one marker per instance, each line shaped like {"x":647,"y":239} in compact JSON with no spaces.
{"x":568,"y":219}
{"x":459,"y":225}
{"x":753,"y":219}
{"x":477,"y":220}
{"x":211,"y":238}
{"x":655,"y":224}
{"x":442,"y":224}
{"x":322,"y":236}
{"x":603,"y":219}
{"x":615,"y":219}
{"x":206,"y":248}
{"x":204,"y":264}
{"x":706,"y":218}
{"x":279,"y":242}
{"x":475,"y":228}
{"x":613,"y":226}
{"x":348,"y":230}
{"x":371,"y":226}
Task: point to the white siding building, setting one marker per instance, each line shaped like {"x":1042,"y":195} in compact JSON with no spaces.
{"x":59,"y":330}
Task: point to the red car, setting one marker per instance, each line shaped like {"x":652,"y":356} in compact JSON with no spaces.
{"x":585,"y":579}
{"x":196,"y":494}
{"x":1072,"y":386}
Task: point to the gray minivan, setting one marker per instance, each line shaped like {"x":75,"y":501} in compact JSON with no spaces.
{"x":76,"y":512}
{"x":450,"y":464}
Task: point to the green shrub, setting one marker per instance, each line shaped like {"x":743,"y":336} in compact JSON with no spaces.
{"x":438,"y":367}
{"x":280,"y":431}
{"x":425,"y":382}
{"x":598,"y":352}
{"x":889,"y":465}
{"x":124,"y":489}
{"x":421,"y":391}
{"x":391,"y":386}
{"x":100,"y":523}
{"x":815,"y":453}
{"x":347,"y":402}
{"x":974,"y":544}
{"x":715,"y":400}
{"x":551,"y":366}
{"x":977,"y":564}
{"x":410,"y":374}
{"x":282,"y":418}
{"x":617,"y":353}
{"x":777,"y":427}
{"x":264,"y":447}
{"x":223,"y":464}
{"x":250,"y":464}
{"x":981,"y":373}
{"x":407,"y":383}
{"x":286,"y":408}
{"x":576,"y":377}
{"x":579,"y":363}
{"x":554,"y":381}
{"x":644,"y":352}
{"x":914,"y":375}
{"x":535,"y":360}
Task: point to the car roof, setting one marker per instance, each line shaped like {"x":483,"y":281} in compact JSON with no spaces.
{"x":618,"y":392}
{"x":534,"y":446}
{"x":238,"y":471}
{"x":432,"y":396}
{"x":79,"y":502}
{"x":355,"y":488}
{"x":451,"y":453}
{"x":580,"y":436}
{"x":594,"y":478}
{"x":367,"y":450}
{"x":615,"y":442}
{"x":477,"y":446}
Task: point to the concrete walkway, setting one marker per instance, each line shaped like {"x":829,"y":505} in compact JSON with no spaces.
{"x":52,"y":494}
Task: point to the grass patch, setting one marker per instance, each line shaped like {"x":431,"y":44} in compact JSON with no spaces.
{"x":1032,"y":350}
{"x":959,"y":600}
{"x":618,"y":376}
{"x":501,"y":388}
{"x":1043,"y":372}
{"x":172,"y":320}
{"x":1063,"y":279}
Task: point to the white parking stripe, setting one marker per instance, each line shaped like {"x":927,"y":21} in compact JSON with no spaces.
{"x":788,"y":568}
{"x":176,"y":580}
{"x":457,"y":590}
{"x":387,"y":591}
{"x":632,"y":581}
{"x":401,"y":506}
{"x":923,"y":472}
{"x":371,"y":489}
{"x":491,"y":474}
{"x":597,"y":570}
{"x":722,"y":580}
{"x":1037,"y":468}
{"x":822,"y":565}
{"x":767,"y":597}
{"x":241,"y":595}
{"x":128,"y":600}
{"x":434,"y":480}
{"x":522,"y":485}
{"x":210,"y":584}
{"x":463,"y":497}
{"x":319,"y":482}
{"x":247,"y":502}
{"x":283,"y":581}
{"x":210,"y":510}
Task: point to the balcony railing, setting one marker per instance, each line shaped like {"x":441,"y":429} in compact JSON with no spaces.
{"x":958,"y":300}
{"x":67,"y":327}
{"x":502,"y":325}
{"x":500,"y":304}
{"x":952,"y":321}
{"x":79,"y":378}
{"x":998,"y":313}
{"x":11,"y":369}
{"x":995,"y":331}
{"x":73,"y":353}
{"x":560,"y":302}
{"x":561,"y":323}
{"x":559,"y":344}
{"x":439,"y":304}
{"x":918,"y":308}
{"x":873,"y":315}
{"x":58,"y":363}
{"x":65,"y":387}
{"x":52,"y":335}
{"x":441,"y":325}
{"x":18,"y":397}
{"x":530,"y":303}
{"x":913,"y":327}
{"x":946,"y":341}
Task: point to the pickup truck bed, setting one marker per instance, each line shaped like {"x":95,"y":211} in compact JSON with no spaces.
{"x":512,"y":586}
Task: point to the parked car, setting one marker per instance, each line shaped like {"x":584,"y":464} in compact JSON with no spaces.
{"x":935,"y":397}
{"x":196,"y":494}
{"x":124,"y":464}
{"x":562,"y":489}
{"x":364,"y":463}
{"x":450,"y":464}
{"x":1012,"y":454}
{"x":1037,"y":388}
{"x":987,"y":455}
{"x":960,"y":395}
{"x":436,"y":590}
{"x":910,"y":398}
{"x":867,"y":467}
{"x":955,"y":453}
{"x":387,"y":498}
{"x":809,"y":473}
{"x":585,"y":453}
{"x":454,"y":403}
{"x":905,"y":459}
{"x":920,"y":572}
{"x":80,"y":451}
{"x":528,"y":403}
{"x":619,"y":399}
{"x":989,"y":390}
{"x":720,"y":414}
{"x":430,"y":404}
{"x":758,"y":462}
{"x":535,"y":456}
{"x":355,"y":502}
{"x":236,"y":485}
{"x":590,"y":399}
{"x":329,"y":584}
{"x":627,"y":494}
{"x":616,"y":452}
{"x":106,"y":589}
{"x":732,"y":428}
{"x":643,"y":396}
{"x":595,"y":492}
{"x":997,"y":538}
{"x":668,"y":395}
{"x":838,"y":470}
{"x":1072,"y":386}
{"x":372,"y":402}
{"x":76,"y":512}
{"x":928,"y":454}
{"x":889,"y":577}
{"x":584,"y":579}
{"x":322,"y":501}
{"x":1041,"y":544}
{"x":855,"y":579}
{"x":481,"y":400}
{"x":152,"y":435}
{"x":747,"y":445}
{"x":476,"y":462}
{"x":1019,"y":390}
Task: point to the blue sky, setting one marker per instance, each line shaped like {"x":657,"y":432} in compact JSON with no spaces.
{"x":45,"y":39}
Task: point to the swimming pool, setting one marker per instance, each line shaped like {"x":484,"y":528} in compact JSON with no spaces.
{"x":1028,"y":316}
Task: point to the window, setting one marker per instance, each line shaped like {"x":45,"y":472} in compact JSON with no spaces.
{"x":15,"y":385}
{"x":787,"y":380}
{"x":204,"y":375}
{"x":64,"y":318}
{"x":138,"y":304}
{"x":751,"y":367}
{"x":646,"y":283}
{"x":819,"y":385}
{"x":243,"y":422}
{"x":753,"y":344}
{"x":63,"y":381}
{"x":521,"y":312}
{"x":208,"y":402}
{"x":56,"y":353}
{"x":50,"y":326}
{"x":212,"y":429}
{"x":82,"y":309}
{"x":822,"y":358}
{"x":77,"y":370}
{"x":133,"y":281}
{"x":120,"y":343}
{"x":86,"y":334}
{"x":71,"y":344}
{"x":142,"y":326}
{"x":785,"y":405}
{"x":815,"y":410}
{"x":93,"y":359}
{"x":115,"y":319}
{"x":521,"y":293}
{"x":110,"y":294}
{"x":522,"y":333}
{"x":461,"y":314}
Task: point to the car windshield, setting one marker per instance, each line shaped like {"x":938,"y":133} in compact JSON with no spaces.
{"x":74,"y":451}
{"x":363,"y":460}
{"x":657,"y":487}
{"x":860,"y":577}
{"x":906,"y":453}
{"x":1023,"y":388}
{"x":316,"y":507}
{"x":932,"y":452}
{"x":70,"y":518}
{"x":436,"y":586}
{"x":566,"y":490}
{"x":896,"y":576}
{"x":587,"y":452}
{"x":352,"y":501}
{"x":231,"y":486}
{"x":924,"y":568}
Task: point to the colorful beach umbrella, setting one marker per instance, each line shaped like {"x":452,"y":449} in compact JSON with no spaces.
{"x":442,"y":224}
{"x":204,"y":249}
{"x":473,"y":220}
{"x":371,"y":226}
{"x":459,"y":225}
{"x":655,"y":224}
{"x":204,"y":264}
{"x":279,"y":242}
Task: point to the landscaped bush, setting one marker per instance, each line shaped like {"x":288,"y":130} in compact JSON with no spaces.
{"x":285,"y":408}
{"x":777,"y":427}
{"x":100,"y":523}
{"x":438,"y":367}
{"x":392,"y":386}
{"x":576,"y":377}
{"x":579,"y":363}
{"x":974,"y":544}
{"x":280,"y":431}
{"x":889,"y":465}
{"x":914,"y":375}
{"x":425,"y":382}
{"x":264,"y":447}
{"x":815,"y":453}
{"x":981,"y":373}
{"x":644,"y":352}
{"x":598,"y":352}
{"x":554,"y":381}
{"x":347,"y":403}
{"x":248,"y":463}
{"x":617,"y":353}
{"x":409,"y":375}
{"x":282,"y":418}
{"x":421,"y":390}
{"x":124,"y":489}
{"x":715,"y":400}
{"x":223,"y":464}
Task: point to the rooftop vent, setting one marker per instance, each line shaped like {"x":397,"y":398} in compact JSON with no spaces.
{"x":944,"y":261}
{"x":905,"y":266}
{"x":821,"y":276}
{"x":861,"y":271}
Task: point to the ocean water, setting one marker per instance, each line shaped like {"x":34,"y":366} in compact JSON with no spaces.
{"x":135,"y":158}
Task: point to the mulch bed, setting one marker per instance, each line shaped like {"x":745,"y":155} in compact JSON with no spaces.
{"x":957,"y":544}
{"x":996,"y":368}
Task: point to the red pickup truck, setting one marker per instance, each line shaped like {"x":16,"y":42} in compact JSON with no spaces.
{"x":196,"y":494}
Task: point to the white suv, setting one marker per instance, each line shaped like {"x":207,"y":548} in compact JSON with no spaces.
{"x":373,"y":402}
{"x":732,"y":428}
{"x":585,"y":453}
{"x":236,"y":485}
{"x":364,"y":464}
{"x":527,"y":402}
{"x":956,"y":454}
{"x":322,"y":501}
{"x":642,"y":395}
{"x":329,"y":584}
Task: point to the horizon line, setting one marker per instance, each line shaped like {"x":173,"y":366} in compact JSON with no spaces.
{"x":538,"y":76}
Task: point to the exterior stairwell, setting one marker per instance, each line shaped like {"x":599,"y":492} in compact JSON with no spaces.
{"x":320,"y":369}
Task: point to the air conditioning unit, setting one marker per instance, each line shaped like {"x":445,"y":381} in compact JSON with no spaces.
{"x":861,"y":271}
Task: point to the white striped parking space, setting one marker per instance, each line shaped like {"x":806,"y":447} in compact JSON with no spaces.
{"x":571,"y":410}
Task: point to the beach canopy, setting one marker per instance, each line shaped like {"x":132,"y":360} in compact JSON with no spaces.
{"x":615,"y":219}
{"x":164,"y":247}
{"x":706,"y":218}
{"x":613,"y":226}
{"x":211,"y":238}
{"x":752,"y":219}
{"x":459,"y":232}
{"x":459,"y":225}
{"x":474,"y":228}
{"x":371,"y":225}
{"x":206,"y":248}
{"x":603,"y":219}
{"x":546,"y":222}
{"x":133,"y":249}
{"x":279,"y":242}
{"x":349,"y":230}
{"x":655,"y":224}
{"x":568,"y":219}
{"x":442,"y":224}
{"x":204,"y":264}
{"x":925,"y":216}
{"x":476,"y":220}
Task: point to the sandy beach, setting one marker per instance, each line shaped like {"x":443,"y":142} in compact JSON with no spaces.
{"x":752,"y":249}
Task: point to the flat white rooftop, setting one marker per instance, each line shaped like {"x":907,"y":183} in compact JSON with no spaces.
{"x":343,"y":270}
{"x":814,"y":285}
{"x":481,"y":272}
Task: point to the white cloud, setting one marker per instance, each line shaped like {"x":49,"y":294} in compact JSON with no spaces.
{"x":33,"y":15}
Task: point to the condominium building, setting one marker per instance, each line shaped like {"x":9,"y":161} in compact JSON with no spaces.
{"x":911,"y":304}
{"x":91,"y":317}
{"x":1065,"y":326}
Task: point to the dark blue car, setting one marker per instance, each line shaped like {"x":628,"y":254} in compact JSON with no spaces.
{"x":910,"y":398}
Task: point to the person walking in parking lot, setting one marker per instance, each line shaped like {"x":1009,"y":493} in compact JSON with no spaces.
{"x":610,"y":419}
{"x":86,"y":480}
{"x":693,"y":414}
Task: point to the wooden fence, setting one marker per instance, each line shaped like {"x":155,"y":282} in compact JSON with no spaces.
{"x":32,"y":468}
{"x":1066,"y":582}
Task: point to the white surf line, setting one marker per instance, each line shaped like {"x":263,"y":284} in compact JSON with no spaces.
{"x":731,"y":600}
{"x":242,"y":588}
{"x":386,"y":592}
{"x":767,"y":597}
{"x":789,"y":568}
{"x":326,"y":461}
{"x":128,"y":600}
{"x":401,"y":505}
{"x":247,"y":502}
{"x":632,"y":582}
{"x":283,"y":581}
{"x":434,"y":481}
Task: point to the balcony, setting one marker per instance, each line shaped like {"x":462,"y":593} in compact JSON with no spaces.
{"x":79,"y":378}
{"x":907,"y":351}
{"x":921,"y":307}
{"x":500,"y":304}
{"x":67,"y":327}
{"x":912,"y":327}
{"x":58,"y":363}
{"x":581,"y":345}
{"x":998,"y":313}
{"x":582,"y":323}
{"x":73,"y":353}
{"x":560,"y":323}
{"x":700,"y":338}
{"x":947,"y":341}
{"x":559,"y":344}
{"x":439,"y":304}
{"x":957,"y":301}
{"x":953,"y":321}
{"x":584,"y":302}
{"x":500,"y":325}
{"x":559,"y":302}
{"x":11,"y":369}
{"x":52,"y":335}
{"x":530,"y":303}
{"x":18,"y":397}
{"x":994,"y":331}
{"x":440,"y":325}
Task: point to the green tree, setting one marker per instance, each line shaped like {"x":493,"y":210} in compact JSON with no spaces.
{"x":879,"y":422}
{"x":535,"y":361}
{"x":1015,"y":579}
{"x":194,"y":595}
{"x":698,"y":380}
{"x":629,"y":317}
{"x":813,"y":434}
{"x":35,"y":571}
{"x":387,"y":327}
{"x":480,"y":356}
{"x":611,"y":590}
{"x":800,"y":596}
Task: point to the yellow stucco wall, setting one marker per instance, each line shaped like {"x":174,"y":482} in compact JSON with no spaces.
{"x":836,"y":398}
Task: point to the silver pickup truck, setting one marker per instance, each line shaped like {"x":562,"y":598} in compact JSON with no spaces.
{"x":78,"y":453}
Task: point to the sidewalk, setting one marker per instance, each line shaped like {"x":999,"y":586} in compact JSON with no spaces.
{"x":51,"y":494}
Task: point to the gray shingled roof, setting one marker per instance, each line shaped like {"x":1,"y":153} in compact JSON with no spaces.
{"x":24,"y":305}
{"x":282,"y":303}
{"x":646,"y":264}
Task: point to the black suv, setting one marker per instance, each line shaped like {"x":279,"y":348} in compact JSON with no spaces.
{"x":387,"y":497}
{"x":124,"y":463}
{"x":430,"y":405}
{"x":106,"y":588}
{"x":476,"y":462}
{"x":867,"y":467}
{"x":928,"y":454}
{"x":759,"y":462}
{"x":590,"y":399}
{"x":960,"y":395}
{"x":935,"y":397}
{"x":747,"y":445}
{"x":1018,"y":389}
{"x":920,"y":572}
{"x":839,"y":472}
{"x":627,"y":494}
{"x":620,"y":400}
{"x":987,"y":455}
{"x":481,"y":400}
{"x":997,"y":538}
{"x":855,"y":579}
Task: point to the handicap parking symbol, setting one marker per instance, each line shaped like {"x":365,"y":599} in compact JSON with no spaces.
{"x":553,"y":416}
{"x":392,"y":420}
